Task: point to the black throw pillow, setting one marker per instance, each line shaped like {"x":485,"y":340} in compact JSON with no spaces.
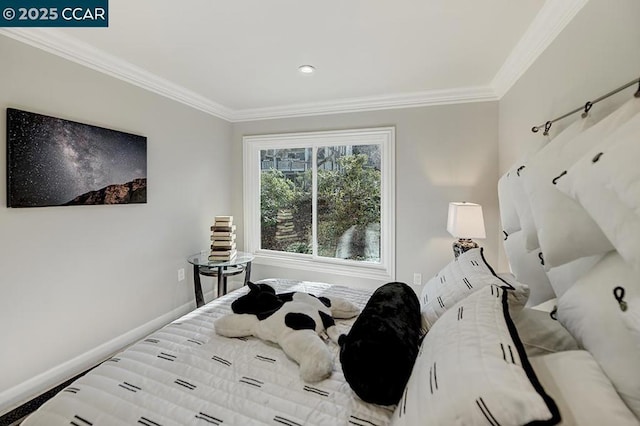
{"x":378,"y":354}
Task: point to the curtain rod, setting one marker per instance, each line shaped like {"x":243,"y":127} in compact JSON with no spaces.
{"x":546,"y":126}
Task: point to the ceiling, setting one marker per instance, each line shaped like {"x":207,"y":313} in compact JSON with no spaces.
{"x":238,"y":59}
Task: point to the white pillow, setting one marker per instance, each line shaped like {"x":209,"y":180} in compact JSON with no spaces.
{"x":583,"y":393}
{"x":528,"y":220}
{"x":541,"y":334}
{"x":461,"y":277}
{"x":549,"y":306}
{"x":508,"y":213}
{"x":527,"y":268}
{"x":513,"y":202}
{"x":523,"y":206}
{"x":592,"y":315}
{"x":472,"y":369}
{"x":565,"y":231}
{"x":606,"y":182}
{"x":631,"y":318}
{"x":564,"y":276}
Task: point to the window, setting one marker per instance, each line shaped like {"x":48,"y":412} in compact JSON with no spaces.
{"x":322,"y":201}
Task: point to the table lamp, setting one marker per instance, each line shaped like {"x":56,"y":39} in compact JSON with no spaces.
{"x":465,"y":221}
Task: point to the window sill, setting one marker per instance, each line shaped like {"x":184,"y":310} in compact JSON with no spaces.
{"x":307,"y":263}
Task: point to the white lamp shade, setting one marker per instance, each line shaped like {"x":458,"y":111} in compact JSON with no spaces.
{"x":465,"y":220}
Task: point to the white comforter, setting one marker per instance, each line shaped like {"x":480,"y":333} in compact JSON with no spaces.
{"x":185,"y":374}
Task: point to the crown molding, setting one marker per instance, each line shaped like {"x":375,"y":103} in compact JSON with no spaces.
{"x":59,"y":44}
{"x":548,"y":23}
{"x":55,"y":42}
{"x":545,"y":27}
{"x":370,"y":103}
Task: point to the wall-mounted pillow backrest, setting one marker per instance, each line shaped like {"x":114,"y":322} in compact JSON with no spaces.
{"x":523,"y":204}
{"x":581,"y":390}
{"x":564,"y":229}
{"x":508,"y":212}
{"x":527,"y":217}
{"x":511,"y":197}
{"x":606,"y":183}
{"x":527,"y":267}
{"x":564,"y":276}
{"x":631,"y":318}
{"x":592,"y":314}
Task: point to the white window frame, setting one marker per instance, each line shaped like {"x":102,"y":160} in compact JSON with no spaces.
{"x":252,"y":145}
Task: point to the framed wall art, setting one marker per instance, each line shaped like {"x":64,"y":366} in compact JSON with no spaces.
{"x":57,"y":162}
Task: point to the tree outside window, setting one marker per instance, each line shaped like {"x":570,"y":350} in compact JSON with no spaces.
{"x":348,"y":201}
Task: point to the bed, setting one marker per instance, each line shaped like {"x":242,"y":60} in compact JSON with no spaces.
{"x":186,"y":374}
{"x":556,"y":341}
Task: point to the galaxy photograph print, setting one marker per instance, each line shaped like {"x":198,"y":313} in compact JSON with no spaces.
{"x":56,"y":162}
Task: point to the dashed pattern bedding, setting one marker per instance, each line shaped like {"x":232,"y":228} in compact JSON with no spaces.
{"x":185,"y":374}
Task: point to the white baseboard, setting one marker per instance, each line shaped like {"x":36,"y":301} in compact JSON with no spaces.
{"x":18,"y":395}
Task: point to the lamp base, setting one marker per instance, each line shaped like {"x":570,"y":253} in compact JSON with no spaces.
{"x":462,"y":245}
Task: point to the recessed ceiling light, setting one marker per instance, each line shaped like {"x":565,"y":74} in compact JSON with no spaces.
{"x":306,"y":69}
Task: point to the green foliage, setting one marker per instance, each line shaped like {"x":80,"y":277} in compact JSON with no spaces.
{"x":276,"y":192}
{"x":348,"y":195}
{"x":328,"y":237}
{"x":299,"y":247}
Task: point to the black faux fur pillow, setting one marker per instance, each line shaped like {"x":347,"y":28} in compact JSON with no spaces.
{"x":378,"y":354}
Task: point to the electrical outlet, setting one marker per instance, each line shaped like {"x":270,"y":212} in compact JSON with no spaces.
{"x":417,"y":278}
{"x":181,"y":274}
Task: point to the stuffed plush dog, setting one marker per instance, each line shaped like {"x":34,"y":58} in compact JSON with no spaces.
{"x":291,"y":320}
{"x":378,"y":354}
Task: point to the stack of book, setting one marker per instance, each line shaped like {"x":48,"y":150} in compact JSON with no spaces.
{"x":223,"y":239}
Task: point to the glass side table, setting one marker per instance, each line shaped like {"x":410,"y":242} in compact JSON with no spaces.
{"x":203,"y":266}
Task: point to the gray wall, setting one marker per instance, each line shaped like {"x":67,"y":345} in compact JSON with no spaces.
{"x":73,"y":278}
{"x":443,"y":153}
{"x":594,"y":54}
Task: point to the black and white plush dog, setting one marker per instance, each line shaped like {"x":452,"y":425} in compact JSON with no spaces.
{"x":378,"y":354}
{"x":291,"y":320}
